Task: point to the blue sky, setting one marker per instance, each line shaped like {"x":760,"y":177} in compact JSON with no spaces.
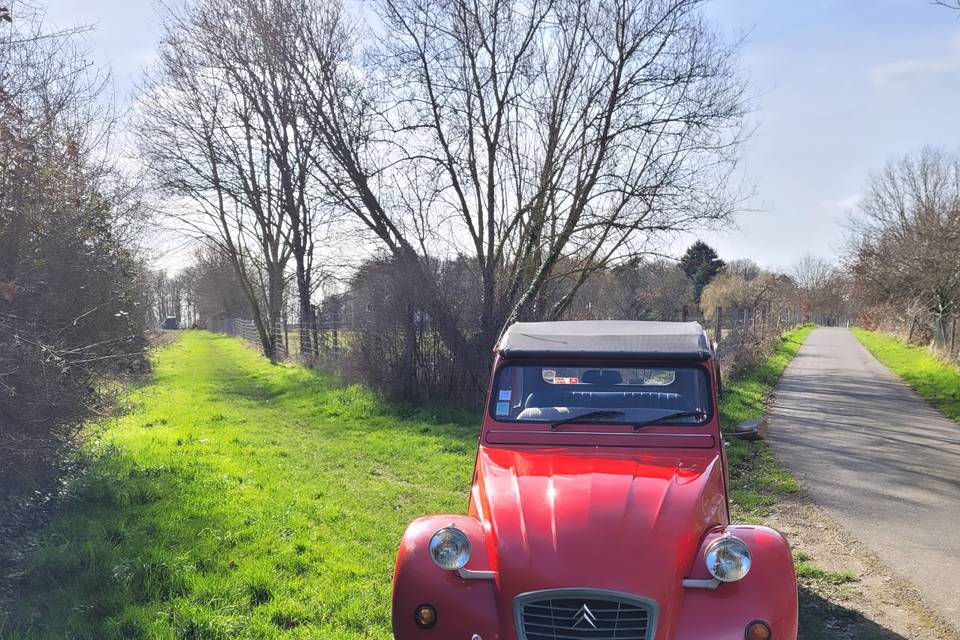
{"x":838,"y":87}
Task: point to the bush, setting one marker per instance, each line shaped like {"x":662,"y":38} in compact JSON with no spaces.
{"x":743,"y":349}
{"x":392,"y":341}
{"x":71,"y":313}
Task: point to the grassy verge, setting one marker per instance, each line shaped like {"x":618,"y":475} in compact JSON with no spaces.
{"x":757,"y":481}
{"x":937,"y":381}
{"x":242,"y":500}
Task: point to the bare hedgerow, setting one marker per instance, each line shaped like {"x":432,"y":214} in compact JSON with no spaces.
{"x":905,"y":244}
{"x":71,"y":305}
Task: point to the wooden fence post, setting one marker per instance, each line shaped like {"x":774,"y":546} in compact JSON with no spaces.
{"x":953,"y":336}
{"x":336,"y":329}
{"x":314,"y":331}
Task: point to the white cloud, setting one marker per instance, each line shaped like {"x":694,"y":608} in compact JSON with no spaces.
{"x":911,"y":69}
{"x":842,"y":204}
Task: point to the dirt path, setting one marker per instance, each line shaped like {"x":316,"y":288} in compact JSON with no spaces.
{"x":878,"y":461}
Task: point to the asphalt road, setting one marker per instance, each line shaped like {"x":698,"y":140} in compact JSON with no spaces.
{"x":877,"y":457}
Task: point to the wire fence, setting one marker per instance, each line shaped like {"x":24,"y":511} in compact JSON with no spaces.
{"x":330,"y":337}
{"x":326,"y":338}
{"x":744,"y":336}
{"x":942,"y":333}
{"x":949,"y":344}
{"x":767,"y":320}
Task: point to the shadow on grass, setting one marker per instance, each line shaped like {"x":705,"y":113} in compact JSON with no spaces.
{"x":332,"y":397}
{"x":111,"y":549}
{"x":821,"y":619}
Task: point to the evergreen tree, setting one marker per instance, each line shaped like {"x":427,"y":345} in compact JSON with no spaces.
{"x":701,"y":264}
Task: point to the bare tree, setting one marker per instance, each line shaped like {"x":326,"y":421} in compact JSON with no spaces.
{"x":213,"y":138}
{"x":544,"y":140}
{"x":214,"y":290}
{"x":648,"y":289}
{"x":249,"y":49}
{"x":820,"y":287}
{"x":907,"y":237}
{"x":744,"y":268}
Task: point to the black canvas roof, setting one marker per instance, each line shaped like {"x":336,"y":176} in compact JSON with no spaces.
{"x":608,"y":338}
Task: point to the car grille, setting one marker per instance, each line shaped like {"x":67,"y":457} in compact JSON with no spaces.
{"x":570,"y":617}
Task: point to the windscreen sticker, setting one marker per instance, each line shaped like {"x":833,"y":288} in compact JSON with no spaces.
{"x":559,"y":380}
{"x":505,"y":395}
{"x":503,"y":408}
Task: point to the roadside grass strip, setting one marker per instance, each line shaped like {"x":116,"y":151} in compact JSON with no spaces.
{"x":934,"y":379}
{"x":240,"y":499}
{"x":757,"y":480}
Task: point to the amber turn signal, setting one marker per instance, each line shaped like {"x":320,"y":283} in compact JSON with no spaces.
{"x":758,"y":630}
{"x":425,"y":616}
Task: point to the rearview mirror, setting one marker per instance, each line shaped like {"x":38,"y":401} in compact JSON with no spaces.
{"x":751,"y":430}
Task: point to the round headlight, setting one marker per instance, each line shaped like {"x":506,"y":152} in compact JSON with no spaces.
{"x":728,"y":559}
{"x":450,"y":548}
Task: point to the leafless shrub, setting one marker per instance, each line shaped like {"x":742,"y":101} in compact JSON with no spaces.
{"x":390,"y":338}
{"x":71,"y":303}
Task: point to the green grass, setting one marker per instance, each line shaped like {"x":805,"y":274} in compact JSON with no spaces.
{"x":757,"y":480}
{"x":239,"y":499}
{"x":937,"y":381}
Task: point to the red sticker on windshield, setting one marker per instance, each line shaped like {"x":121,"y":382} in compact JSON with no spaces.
{"x":559,"y":380}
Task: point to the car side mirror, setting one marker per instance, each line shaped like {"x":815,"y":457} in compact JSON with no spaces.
{"x":751,"y":430}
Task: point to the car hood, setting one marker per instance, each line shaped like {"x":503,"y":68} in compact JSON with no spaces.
{"x":595,"y":518}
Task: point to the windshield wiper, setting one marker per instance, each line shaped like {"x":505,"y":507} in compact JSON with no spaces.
{"x":601,"y":413}
{"x":670,"y":416}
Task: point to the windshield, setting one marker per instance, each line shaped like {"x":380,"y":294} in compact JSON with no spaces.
{"x":631,"y":395}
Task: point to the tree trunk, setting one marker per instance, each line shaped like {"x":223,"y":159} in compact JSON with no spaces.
{"x":303,"y":293}
{"x":274,"y":304}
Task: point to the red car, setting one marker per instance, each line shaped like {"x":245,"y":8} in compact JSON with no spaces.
{"x":599,"y":506}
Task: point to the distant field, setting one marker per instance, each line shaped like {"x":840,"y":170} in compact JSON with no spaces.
{"x":937,"y":381}
{"x":242,"y":500}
